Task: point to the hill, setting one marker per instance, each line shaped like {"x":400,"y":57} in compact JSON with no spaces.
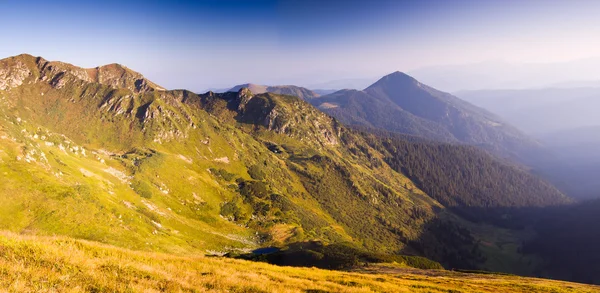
{"x":399,"y":103}
{"x":67,"y":265}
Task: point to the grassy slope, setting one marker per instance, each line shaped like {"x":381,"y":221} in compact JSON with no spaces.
{"x":50,"y":264}
{"x":53,"y":187}
{"x":89,"y":196}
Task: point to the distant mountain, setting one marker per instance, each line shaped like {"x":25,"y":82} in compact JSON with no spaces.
{"x":508,"y":75}
{"x":564,"y":120}
{"x":541,"y":111}
{"x":400,"y":103}
{"x":348,"y":83}
{"x":290,"y":90}
{"x":587,"y":138}
{"x":577,"y":151}
{"x":324,"y":92}
{"x":215,"y":90}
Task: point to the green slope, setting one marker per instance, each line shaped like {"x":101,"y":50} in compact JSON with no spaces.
{"x":183,"y":171}
{"x":119,"y":160}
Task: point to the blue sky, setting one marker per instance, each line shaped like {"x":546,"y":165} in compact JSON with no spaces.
{"x":202,"y":44}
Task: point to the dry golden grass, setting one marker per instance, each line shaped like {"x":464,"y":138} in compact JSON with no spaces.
{"x":58,"y":264}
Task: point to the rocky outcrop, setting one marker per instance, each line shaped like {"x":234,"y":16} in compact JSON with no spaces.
{"x":12,"y":73}
{"x":118,"y":76}
{"x":287,"y":115}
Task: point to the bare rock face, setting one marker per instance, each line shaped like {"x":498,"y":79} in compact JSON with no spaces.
{"x":287,"y":115}
{"x":12,"y":73}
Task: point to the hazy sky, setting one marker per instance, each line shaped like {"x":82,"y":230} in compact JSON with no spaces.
{"x":202,"y":44}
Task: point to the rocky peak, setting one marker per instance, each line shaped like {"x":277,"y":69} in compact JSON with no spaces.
{"x":243,"y":97}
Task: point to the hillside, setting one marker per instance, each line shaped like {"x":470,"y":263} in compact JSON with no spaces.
{"x":467,"y":179}
{"x":67,"y":265}
{"x":399,"y":103}
{"x":564,"y":120}
{"x":172,"y":171}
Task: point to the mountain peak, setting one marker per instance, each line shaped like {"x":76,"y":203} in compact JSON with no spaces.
{"x":24,"y":56}
{"x":290,"y":90}
{"x":398,"y":74}
{"x":254,"y":88}
{"x":395,"y":78}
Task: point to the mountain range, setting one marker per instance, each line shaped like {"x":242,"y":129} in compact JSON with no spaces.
{"x":564,"y":120}
{"x":106,"y":155}
{"x":501,"y":75}
{"x":399,"y":103}
{"x":541,"y":111}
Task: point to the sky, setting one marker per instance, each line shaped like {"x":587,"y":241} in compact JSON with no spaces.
{"x":198,"y":45}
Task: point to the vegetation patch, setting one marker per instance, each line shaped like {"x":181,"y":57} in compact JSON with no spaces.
{"x":339,"y":256}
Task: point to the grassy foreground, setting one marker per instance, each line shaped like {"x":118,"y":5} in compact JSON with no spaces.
{"x":51,"y":264}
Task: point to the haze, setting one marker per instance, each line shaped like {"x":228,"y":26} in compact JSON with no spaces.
{"x":210,"y":44}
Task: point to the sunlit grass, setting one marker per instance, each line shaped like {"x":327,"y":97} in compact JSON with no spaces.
{"x":51,"y":264}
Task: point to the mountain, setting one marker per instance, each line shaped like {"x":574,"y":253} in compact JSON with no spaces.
{"x":324,"y":92}
{"x":289,"y":90}
{"x":578,"y":144}
{"x":577,"y":151}
{"x":564,"y":120}
{"x":399,"y":103}
{"x":124,"y":162}
{"x":541,"y":111}
{"x":347,"y":83}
